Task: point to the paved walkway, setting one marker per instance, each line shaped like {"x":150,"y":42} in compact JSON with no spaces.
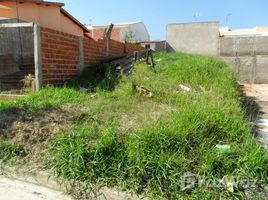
{"x":259,"y":93}
{"x":17,"y":190}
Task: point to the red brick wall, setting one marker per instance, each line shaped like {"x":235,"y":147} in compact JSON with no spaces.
{"x":61,"y":53}
{"x":116,"y":48}
{"x":131,"y":48}
{"x":60,"y":56}
{"x":94,"y":51}
{"x":97,"y":34}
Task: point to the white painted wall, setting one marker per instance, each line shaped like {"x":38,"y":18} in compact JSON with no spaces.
{"x":196,"y":38}
{"x":138,"y":29}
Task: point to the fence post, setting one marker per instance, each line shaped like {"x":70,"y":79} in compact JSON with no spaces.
{"x":82,"y":55}
{"x":37,"y":57}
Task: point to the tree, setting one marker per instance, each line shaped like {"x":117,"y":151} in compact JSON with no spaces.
{"x":130,"y":37}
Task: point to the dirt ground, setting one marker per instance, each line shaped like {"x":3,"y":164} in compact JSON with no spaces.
{"x":259,"y":93}
{"x":33,"y":131}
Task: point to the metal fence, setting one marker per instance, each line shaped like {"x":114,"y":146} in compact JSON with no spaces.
{"x":16,"y":54}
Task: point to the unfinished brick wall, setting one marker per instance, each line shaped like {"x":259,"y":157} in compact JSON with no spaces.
{"x":97,"y":34}
{"x":94,"y":51}
{"x":61,"y":54}
{"x":131,"y":48}
{"x":117,"y":48}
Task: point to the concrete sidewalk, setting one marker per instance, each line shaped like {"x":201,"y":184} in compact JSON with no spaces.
{"x":259,"y":94}
{"x":17,"y":190}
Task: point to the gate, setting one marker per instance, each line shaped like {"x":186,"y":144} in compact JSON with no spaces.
{"x":16,"y":54}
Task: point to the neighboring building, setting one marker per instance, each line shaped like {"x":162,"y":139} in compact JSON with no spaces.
{"x":46,"y":14}
{"x":257,"y":31}
{"x":42,"y":42}
{"x":196,"y":38}
{"x":135,"y":31}
{"x":154,"y":45}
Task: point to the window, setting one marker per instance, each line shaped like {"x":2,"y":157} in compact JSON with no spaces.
{"x":147,"y":46}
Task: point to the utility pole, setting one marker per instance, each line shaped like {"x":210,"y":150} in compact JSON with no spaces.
{"x":227,"y":18}
{"x":196,"y":15}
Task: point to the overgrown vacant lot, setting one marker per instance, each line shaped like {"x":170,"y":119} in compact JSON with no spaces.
{"x":141,"y":133}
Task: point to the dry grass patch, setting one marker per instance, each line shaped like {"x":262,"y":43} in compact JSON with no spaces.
{"x":33,"y":131}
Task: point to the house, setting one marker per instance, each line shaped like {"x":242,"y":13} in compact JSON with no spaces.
{"x":156,"y":45}
{"x":42,"y":41}
{"x":46,"y":14}
{"x":133,"y":31}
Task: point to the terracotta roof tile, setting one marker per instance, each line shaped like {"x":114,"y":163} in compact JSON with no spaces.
{"x":41,"y":2}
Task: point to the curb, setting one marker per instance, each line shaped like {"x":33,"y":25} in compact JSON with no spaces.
{"x":40,"y":178}
{"x":43,"y":179}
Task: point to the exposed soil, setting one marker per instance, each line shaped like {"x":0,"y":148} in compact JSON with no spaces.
{"x":33,"y":131}
{"x":258,"y":93}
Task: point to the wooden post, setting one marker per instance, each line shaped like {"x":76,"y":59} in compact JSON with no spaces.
{"x":108,"y":33}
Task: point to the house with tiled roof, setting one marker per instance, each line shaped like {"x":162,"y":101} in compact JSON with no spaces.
{"x":41,"y":41}
{"x":127,"y":31}
{"x":46,"y":14}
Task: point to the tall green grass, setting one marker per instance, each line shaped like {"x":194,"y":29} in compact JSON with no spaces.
{"x":171,"y":133}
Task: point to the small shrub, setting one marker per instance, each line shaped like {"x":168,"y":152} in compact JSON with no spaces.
{"x":9,"y":150}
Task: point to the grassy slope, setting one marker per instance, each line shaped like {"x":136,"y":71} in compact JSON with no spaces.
{"x":146,"y":144}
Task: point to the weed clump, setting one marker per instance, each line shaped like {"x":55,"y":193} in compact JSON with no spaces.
{"x":10,"y":150}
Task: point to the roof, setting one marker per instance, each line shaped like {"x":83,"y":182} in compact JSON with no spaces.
{"x":4,"y":7}
{"x":39,"y":2}
{"x":117,"y":25}
{"x":186,"y":23}
{"x":48,"y":3}
{"x":257,"y":31}
{"x":153,"y":41}
{"x":64,"y":12}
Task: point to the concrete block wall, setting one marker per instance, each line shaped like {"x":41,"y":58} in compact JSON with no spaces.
{"x":196,"y":38}
{"x":248,"y":56}
{"x":243,"y":46}
{"x":261,"y":71}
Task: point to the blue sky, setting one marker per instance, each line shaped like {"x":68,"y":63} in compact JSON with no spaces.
{"x":156,"y":14}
